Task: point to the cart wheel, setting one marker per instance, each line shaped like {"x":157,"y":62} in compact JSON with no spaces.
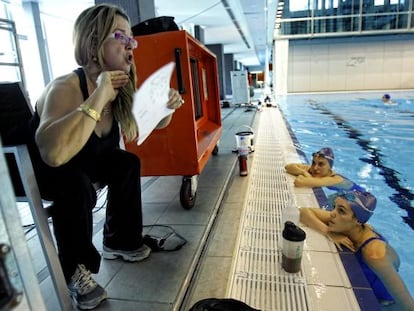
{"x":215,"y":150}
{"x":187,"y":199}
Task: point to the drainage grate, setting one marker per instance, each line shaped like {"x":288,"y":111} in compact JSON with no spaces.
{"x":257,"y":276}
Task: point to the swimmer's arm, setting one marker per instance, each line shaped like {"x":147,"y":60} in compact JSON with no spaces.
{"x":376,"y":257}
{"x":303,"y":181}
{"x":296,"y":169}
{"x":315,"y":218}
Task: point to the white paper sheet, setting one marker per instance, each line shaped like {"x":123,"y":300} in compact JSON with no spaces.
{"x":150,"y":101}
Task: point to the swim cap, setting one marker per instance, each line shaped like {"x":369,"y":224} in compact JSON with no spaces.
{"x":387,"y":96}
{"x":362,"y":203}
{"x":327,"y":153}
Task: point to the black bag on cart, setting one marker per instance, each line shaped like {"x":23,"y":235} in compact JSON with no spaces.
{"x":155,"y":25}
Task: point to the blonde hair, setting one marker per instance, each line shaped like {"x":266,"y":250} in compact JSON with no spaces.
{"x":91,"y":29}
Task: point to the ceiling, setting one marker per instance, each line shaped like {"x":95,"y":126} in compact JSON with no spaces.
{"x":248,"y":34}
{"x":244,"y":27}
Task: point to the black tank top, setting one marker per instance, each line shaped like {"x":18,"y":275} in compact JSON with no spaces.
{"x":88,"y":157}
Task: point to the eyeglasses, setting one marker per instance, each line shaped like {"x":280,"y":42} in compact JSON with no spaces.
{"x":124,"y":39}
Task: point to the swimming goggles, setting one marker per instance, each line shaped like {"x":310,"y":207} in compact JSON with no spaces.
{"x":351,"y":197}
{"x":124,"y":39}
{"x":320,"y":154}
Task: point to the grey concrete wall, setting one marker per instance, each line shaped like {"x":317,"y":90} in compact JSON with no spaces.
{"x":351,"y":64}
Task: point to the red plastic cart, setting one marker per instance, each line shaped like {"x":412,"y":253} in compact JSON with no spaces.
{"x":184,"y":147}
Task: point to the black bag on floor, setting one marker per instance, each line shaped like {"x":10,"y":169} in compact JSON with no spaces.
{"x":163,"y":238}
{"x":223,"y":304}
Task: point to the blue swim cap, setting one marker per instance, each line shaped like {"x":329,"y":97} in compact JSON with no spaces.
{"x":327,"y":153}
{"x":362,"y":203}
{"x":387,"y":96}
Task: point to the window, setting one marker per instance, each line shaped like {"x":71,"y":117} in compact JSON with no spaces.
{"x":198,"y":108}
{"x":299,"y":5}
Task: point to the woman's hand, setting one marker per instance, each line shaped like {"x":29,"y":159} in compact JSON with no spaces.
{"x":111,"y":82}
{"x":340,"y":239}
{"x":306,"y":173}
{"x":298,"y":169}
{"x":174,"y":99}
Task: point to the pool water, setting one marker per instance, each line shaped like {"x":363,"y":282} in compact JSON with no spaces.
{"x":373,"y":145}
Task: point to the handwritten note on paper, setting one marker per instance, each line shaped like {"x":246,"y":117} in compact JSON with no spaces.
{"x":150,"y":101}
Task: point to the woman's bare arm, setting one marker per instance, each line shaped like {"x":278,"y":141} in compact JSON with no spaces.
{"x":297,"y":169}
{"x":315,"y":218}
{"x":377,"y":256}
{"x":310,"y":181}
{"x":63,"y":129}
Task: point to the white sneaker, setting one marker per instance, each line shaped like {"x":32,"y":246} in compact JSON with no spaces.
{"x":136,"y":255}
{"x":85,"y":292}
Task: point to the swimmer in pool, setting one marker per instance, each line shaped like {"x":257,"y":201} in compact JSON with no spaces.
{"x":320,"y":173}
{"x":386,"y":99}
{"x":346,"y":225}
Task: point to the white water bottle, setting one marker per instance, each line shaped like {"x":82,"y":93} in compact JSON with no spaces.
{"x":290,"y":213}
